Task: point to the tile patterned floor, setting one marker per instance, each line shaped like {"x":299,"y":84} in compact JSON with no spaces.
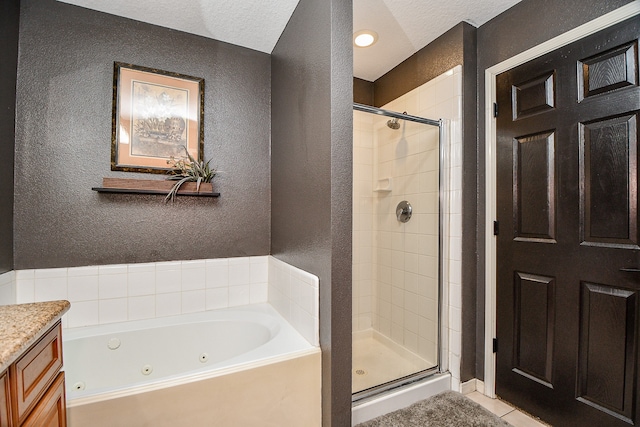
{"x":505,"y":411}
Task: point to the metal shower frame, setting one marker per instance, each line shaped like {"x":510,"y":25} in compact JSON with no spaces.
{"x":443,"y":247}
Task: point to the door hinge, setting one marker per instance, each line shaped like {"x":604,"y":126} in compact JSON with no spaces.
{"x":495,"y":345}
{"x":496,"y":228}
{"x":495,"y":109}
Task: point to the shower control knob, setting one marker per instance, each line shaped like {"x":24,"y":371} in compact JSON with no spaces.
{"x":403,"y":211}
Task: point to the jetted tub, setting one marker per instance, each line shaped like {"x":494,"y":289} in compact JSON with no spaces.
{"x":148,"y":372}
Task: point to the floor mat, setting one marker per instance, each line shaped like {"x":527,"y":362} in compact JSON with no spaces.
{"x":446,"y":409}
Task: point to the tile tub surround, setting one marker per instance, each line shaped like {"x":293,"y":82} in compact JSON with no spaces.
{"x":116,"y":293}
{"x":295,"y":294}
{"x":8,"y":288}
{"x":21,"y":325}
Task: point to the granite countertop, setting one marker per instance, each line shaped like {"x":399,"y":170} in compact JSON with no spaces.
{"x":22,"y":324}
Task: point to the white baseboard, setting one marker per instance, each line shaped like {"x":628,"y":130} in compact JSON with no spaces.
{"x":471,"y":386}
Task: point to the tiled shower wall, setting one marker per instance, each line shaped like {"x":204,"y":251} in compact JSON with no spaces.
{"x":362,"y":269}
{"x":118,"y":293}
{"x":402,"y":287}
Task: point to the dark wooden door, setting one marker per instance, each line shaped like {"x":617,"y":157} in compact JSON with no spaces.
{"x":568,"y":267}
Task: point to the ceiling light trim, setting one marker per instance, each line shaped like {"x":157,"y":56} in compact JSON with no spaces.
{"x":365,"y":38}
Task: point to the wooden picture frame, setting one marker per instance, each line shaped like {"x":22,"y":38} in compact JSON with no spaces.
{"x":156,"y":116}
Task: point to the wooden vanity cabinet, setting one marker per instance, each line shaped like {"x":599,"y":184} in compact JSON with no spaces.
{"x":35,"y":392}
{"x":5,"y":403}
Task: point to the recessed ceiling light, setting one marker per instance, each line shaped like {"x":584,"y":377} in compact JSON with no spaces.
{"x":365,"y":38}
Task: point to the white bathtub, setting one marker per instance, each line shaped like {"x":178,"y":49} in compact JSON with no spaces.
{"x":111,"y":362}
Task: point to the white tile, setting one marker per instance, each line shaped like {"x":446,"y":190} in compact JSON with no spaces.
{"x":113,"y":269}
{"x":455,"y":225}
{"x":141,"y":282}
{"x":455,"y":319}
{"x":259,"y":270}
{"x":196,"y":263}
{"x":142,"y":307}
{"x":169,"y":304}
{"x":520,"y":419}
{"x":112,"y":310}
{"x":455,"y":272}
{"x":46,"y":273}
{"x":426,"y":97}
{"x":7,"y":294}
{"x":239,"y":295}
{"x":307,"y":327}
{"x":194,"y":278}
{"x":168,"y":265}
{"x":25,"y":274}
{"x":7,"y":278}
{"x":25,"y":290}
{"x":258,"y":293}
{"x":217,"y":273}
{"x":239,"y":271}
{"x":168,"y":281}
{"x":259,"y":259}
{"x":83,"y":313}
{"x":445,"y":89}
{"x":455,"y":342}
{"x":455,"y":295}
{"x":496,"y":406}
{"x":240,"y":261}
{"x":82,"y":288}
{"x":91,"y":270}
{"x":193,"y":301}
{"x":307,"y":302}
{"x":411,"y":340}
{"x":217,"y":298}
{"x":454,"y":365}
{"x":50,"y":288}
{"x":455,"y":248}
{"x":141,"y":267}
{"x":112,"y":286}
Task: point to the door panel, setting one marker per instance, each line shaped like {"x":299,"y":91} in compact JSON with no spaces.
{"x":608,"y":71}
{"x":608,"y":349}
{"x":609,"y":170}
{"x":568,"y":267}
{"x":534,"y":327}
{"x":534,"y":187}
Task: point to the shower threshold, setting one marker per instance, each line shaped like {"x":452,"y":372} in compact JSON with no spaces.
{"x":400,"y":397}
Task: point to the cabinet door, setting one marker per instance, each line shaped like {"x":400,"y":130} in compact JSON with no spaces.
{"x":51,"y":410}
{"x":35,"y":370}
{"x":5,"y":404}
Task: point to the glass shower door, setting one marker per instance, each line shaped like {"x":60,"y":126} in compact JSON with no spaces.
{"x":396,"y":250}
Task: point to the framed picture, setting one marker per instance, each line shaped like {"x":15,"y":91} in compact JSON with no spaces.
{"x":156,"y":116}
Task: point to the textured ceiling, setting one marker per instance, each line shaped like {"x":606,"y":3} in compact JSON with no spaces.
{"x":403,"y":26}
{"x":406,"y":26}
{"x":256,"y":24}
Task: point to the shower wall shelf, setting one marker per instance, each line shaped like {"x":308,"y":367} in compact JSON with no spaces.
{"x":148,"y":186}
{"x":384,"y":185}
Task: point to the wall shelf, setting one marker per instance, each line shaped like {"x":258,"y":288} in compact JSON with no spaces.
{"x":148,"y":186}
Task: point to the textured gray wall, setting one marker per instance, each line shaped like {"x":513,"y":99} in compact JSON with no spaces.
{"x":362,"y":91}
{"x":525,"y":25}
{"x":312,"y":138}
{"x":440,"y":55}
{"x":9,"y":14}
{"x":63,"y":138}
